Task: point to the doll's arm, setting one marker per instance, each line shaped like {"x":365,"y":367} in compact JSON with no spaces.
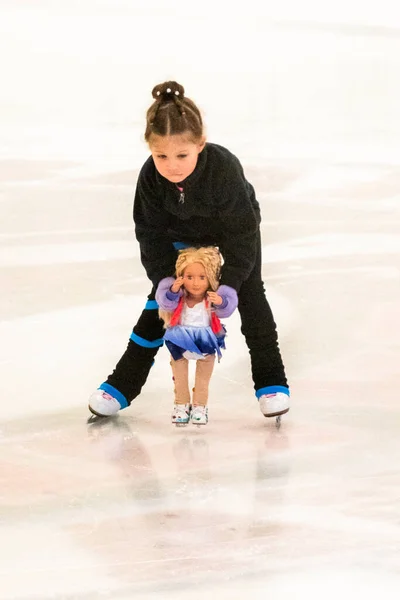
{"x":166,"y":299}
{"x":229,"y":301}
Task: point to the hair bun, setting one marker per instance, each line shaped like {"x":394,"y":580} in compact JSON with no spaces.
{"x":167,"y":91}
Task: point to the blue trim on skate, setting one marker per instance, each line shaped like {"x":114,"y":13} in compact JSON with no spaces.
{"x":146,"y":343}
{"x":151,"y":305}
{"x":272,"y":389}
{"x":106,"y":387}
{"x":180,"y":245}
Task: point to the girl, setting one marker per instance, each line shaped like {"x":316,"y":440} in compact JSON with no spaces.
{"x":193,"y":327}
{"x":193,"y":193}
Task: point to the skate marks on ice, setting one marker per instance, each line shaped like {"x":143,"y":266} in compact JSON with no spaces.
{"x":137,"y":506}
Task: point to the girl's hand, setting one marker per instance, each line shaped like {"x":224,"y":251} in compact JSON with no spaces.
{"x":214,"y":298}
{"x":177,"y":285}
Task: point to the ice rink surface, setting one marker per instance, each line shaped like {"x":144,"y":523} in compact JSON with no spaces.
{"x":132,"y":507}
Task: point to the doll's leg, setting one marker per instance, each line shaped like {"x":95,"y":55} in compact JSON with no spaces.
{"x":131,"y":371}
{"x":180,"y":371}
{"x":204,"y":369}
{"x":259,"y":329}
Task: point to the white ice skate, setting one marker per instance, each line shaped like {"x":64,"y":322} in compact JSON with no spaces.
{"x":102,"y":404}
{"x":199,"y":415}
{"x":181,"y":414}
{"x":274,"y":405}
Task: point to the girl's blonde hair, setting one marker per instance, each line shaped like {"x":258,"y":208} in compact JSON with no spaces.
{"x":209,"y":257}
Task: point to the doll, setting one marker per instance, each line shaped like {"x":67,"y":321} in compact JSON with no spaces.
{"x":190,"y":306}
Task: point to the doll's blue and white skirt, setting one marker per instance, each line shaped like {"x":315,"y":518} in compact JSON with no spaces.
{"x":193,"y":342}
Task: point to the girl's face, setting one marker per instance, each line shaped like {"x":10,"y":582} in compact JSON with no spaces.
{"x":175,"y":156}
{"x":195,"y":281}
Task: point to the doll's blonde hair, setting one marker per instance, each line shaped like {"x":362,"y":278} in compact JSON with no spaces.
{"x":209,"y":257}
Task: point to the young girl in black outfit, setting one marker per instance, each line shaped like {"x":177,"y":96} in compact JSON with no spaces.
{"x":193,"y":193}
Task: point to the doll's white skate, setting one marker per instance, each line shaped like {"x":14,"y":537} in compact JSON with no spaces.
{"x":199,"y":415}
{"x":181,"y":414}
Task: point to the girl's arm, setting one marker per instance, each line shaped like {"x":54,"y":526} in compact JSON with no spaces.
{"x":151,"y":224}
{"x":229,"y":301}
{"x":166,"y":299}
{"x":239,"y":214}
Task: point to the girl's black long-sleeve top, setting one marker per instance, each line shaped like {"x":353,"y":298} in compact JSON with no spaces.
{"x":218,"y":207}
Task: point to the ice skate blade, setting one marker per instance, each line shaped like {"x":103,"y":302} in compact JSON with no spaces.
{"x":277,"y":414}
{"x":96,"y":414}
{"x":181,"y":424}
{"x":93,"y":419}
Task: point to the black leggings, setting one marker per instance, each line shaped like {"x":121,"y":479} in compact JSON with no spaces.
{"x":258,"y":327}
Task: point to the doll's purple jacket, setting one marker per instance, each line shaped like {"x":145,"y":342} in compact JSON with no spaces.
{"x":168,"y":300}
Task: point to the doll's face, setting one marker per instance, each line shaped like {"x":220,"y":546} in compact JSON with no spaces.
{"x":195,"y":281}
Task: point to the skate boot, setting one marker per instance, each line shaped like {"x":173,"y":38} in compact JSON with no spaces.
{"x":102,"y":404}
{"x":199,"y":415}
{"x":181,"y":414}
{"x":274,"y":405}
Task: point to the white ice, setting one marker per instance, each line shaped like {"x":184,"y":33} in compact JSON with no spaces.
{"x":307,"y":95}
